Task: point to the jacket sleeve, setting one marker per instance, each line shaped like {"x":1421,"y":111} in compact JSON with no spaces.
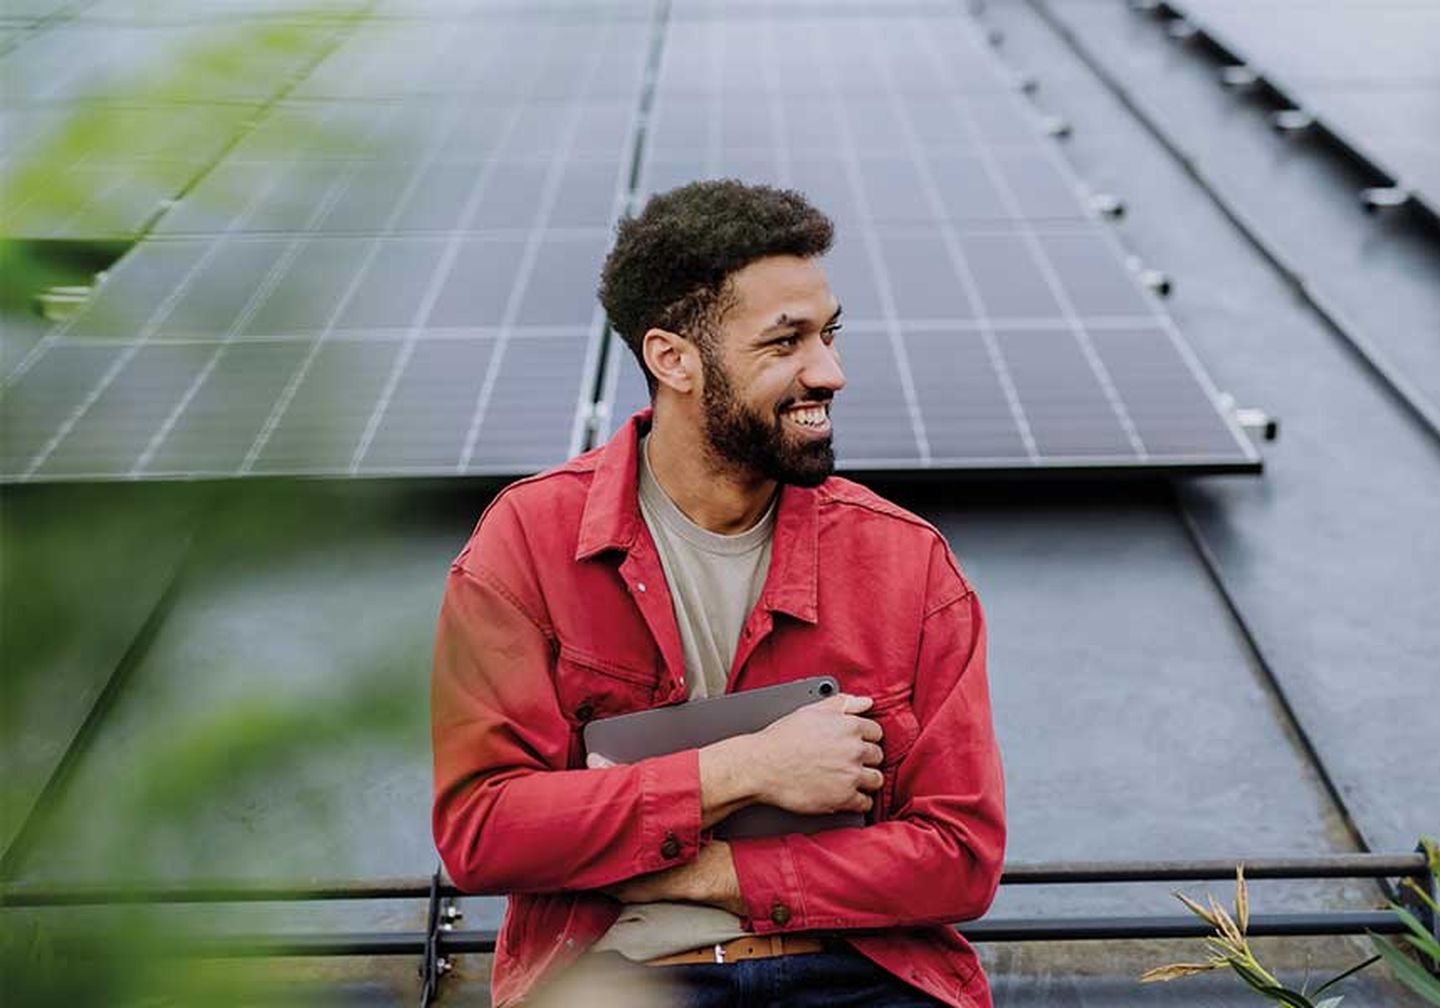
{"x":508,"y":817}
{"x":938,"y":858}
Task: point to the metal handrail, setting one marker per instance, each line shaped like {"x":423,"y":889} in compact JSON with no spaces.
{"x":419,"y":887}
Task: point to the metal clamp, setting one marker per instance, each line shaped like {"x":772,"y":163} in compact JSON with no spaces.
{"x":440,"y":918}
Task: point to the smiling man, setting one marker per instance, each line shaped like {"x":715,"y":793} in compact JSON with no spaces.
{"x":708,"y":549}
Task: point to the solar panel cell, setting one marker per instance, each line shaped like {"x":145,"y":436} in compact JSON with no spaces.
{"x":1169,"y":407}
{"x":115,"y":429}
{"x":1010,"y":281}
{"x":319,"y":427}
{"x":1095,"y":283}
{"x":561,"y":287}
{"x":423,"y":425}
{"x":390,"y":292}
{"x":531,"y":407}
{"x":1067,"y":410}
{"x":922,"y":276}
{"x":967,"y":412}
{"x":50,"y":391}
{"x":478,"y":285}
{"x":218,"y":425}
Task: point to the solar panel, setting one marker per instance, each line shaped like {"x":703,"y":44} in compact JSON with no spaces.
{"x":991,"y":323}
{"x":1369,"y":73}
{"x":393,"y":273}
{"x":417,"y":299}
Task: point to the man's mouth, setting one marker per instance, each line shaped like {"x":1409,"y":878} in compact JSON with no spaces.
{"x":812,"y":417}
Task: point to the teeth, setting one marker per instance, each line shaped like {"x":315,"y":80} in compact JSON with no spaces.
{"x":809,"y":416}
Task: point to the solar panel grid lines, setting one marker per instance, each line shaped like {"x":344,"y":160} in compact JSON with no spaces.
{"x":148,"y":329}
{"x":967,"y":278}
{"x":421,"y":304}
{"x":1154,"y":310}
{"x":258,"y":298}
{"x":1010,"y":177}
{"x":166,"y":305}
{"x":422,"y":312}
{"x":1056,"y":288}
{"x":887,"y":301}
{"x":372,"y":250}
{"x":527,"y":265}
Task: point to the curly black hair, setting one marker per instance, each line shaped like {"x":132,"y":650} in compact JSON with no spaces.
{"x":670,"y":266}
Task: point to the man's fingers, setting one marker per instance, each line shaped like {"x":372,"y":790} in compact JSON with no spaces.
{"x":860,"y":803}
{"x":855,"y":704}
{"x":871,"y":754}
{"x":871,"y":780}
{"x":597,"y":762}
{"x":870,"y":730}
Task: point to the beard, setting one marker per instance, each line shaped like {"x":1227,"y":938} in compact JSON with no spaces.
{"x":740,"y":438}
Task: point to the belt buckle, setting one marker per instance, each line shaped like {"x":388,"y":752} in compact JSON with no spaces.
{"x":720,"y":954}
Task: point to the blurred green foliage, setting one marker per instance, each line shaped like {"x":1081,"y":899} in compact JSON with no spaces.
{"x":281,"y":707}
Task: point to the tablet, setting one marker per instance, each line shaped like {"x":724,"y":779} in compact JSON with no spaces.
{"x":663,"y":730}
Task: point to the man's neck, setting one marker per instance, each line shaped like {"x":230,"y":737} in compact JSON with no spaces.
{"x":717,"y":499}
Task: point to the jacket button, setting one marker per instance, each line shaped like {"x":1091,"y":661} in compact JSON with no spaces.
{"x":585,"y":711}
{"x":671,"y":847}
{"x":780,"y":914}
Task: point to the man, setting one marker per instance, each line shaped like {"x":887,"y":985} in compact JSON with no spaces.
{"x":707,"y":549}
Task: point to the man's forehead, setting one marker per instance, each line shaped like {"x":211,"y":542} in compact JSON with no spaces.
{"x":776,"y":287}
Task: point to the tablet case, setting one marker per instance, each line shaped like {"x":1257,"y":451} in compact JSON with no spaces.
{"x":662,"y":730}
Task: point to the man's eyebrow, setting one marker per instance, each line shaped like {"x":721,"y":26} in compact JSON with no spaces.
{"x":784,"y":321}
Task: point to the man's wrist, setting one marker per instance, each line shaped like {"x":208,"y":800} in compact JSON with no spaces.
{"x":731,"y":774}
{"x":713,"y":880}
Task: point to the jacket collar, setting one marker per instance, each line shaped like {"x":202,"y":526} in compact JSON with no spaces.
{"x":611,"y":521}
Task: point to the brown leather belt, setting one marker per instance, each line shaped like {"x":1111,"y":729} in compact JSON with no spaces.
{"x":747,"y":947}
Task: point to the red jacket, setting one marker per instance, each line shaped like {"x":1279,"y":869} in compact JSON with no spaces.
{"x":557,"y":611}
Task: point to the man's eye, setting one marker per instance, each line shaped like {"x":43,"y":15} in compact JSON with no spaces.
{"x":787,"y":342}
{"x":831,"y":331}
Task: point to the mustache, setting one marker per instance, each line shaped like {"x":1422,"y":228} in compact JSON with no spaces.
{"x":813,"y":396}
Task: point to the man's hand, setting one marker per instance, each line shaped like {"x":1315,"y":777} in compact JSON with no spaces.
{"x":820,"y":758}
{"x":710,"y":878}
{"x":814,"y":761}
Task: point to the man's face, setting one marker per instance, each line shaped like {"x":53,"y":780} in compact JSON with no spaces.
{"x":770,"y":377}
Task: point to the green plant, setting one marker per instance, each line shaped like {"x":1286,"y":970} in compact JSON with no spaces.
{"x":1230,"y":946}
{"x":1406,"y":970}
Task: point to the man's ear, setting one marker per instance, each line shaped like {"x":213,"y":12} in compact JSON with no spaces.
{"x":672,"y":359}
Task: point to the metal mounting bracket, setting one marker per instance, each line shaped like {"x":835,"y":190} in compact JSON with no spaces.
{"x":1255,"y":422}
{"x":441,"y":918}
{"x":1384,"y":197}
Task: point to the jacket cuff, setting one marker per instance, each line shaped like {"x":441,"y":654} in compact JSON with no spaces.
{"x":669,"y":810}
{"x":769,"y":885}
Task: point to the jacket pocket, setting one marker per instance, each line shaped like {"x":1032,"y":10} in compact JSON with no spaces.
{"x":897,"y":720}
{"x":591,"y":687}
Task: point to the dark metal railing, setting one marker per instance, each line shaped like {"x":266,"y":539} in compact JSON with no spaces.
{"x":441,"y":939}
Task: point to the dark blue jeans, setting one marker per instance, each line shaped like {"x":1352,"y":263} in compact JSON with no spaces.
{"x":838,"y":978}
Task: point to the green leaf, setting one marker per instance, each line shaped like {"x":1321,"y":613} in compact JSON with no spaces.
{"x":1330,"y":1002}
{"x":1350,"y":972}
{"x":1428,"y":946}
{"x":1407,"y":971}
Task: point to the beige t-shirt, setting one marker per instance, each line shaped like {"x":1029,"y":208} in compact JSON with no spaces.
{"x":714,"y":581}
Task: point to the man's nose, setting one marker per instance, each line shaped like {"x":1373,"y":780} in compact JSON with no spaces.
{"x":822,"y":370}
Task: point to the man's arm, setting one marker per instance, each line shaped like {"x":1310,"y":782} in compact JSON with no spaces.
{"x":504,"y":801}
{"x":937,"y":861}
{"x":505,"y":807}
